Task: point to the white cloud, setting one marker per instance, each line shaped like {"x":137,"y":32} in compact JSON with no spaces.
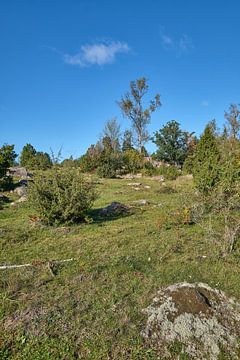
{"x":100,"y":54}
{"x":178,"y":45}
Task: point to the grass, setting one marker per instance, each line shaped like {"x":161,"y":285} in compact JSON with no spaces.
{"x":91,"y":308}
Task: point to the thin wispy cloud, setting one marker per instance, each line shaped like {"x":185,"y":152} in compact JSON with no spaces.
{"x":205,"y":103}
{"x":100,"y":54}
{"x":180,"y":45}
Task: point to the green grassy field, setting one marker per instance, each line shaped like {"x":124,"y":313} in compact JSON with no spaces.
{"x":90,"y":308}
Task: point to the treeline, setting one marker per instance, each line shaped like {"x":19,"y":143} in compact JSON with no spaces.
{"x":214,"y":156}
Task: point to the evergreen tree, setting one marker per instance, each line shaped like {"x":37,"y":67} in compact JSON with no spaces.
{"x":27,"y":156}
{"x":206,"y":166}
{"x":42,"y":161}
{"x":7,"y":157}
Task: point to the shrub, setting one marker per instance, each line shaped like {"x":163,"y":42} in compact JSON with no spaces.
{"x":6,"y":183}
{"x":148,"y":169}
{"x":169,"y":172}
{"x":62,"y":196}
{"x":133,"y":161}
{"x":106,"y":171}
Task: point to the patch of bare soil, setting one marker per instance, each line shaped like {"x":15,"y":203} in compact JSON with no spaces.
{"x":203,"y":319}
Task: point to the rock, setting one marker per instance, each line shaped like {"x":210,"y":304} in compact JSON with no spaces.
{"x":137,"y":188}
{"x":21,"y":190}
{"x":20,"y":172}
{"x":22,"y":199}
{"x":115,"y":208}
{"x":197,"y":316}
{"x":141,"y":202}
{"x":126,"y":176}
{"x":159,"y":178}
{"x":147,"y":187}
{"x":134,"y":184}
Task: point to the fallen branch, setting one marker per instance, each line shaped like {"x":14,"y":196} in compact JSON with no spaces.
{"x":5,"y":267}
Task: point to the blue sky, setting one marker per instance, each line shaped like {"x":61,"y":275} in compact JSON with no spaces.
{"x":65,"y":63}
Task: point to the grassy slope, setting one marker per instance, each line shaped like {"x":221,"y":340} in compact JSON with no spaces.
{"x":91,"y":308}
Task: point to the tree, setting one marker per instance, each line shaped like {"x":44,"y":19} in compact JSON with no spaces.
{"x":132,"y":107}
{"x":233,"y":121}
{"x":172,"y":143}
{"x":27,"y":156}
{"x":113,"y":132}
{"x":127,"y":140}
{"x":206,"y":167}
{"x":42,"y":161}
{"x":7,"y":157}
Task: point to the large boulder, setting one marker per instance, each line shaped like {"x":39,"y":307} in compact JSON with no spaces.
{"x":202,"y":319}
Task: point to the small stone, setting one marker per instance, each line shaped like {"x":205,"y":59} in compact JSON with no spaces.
{"x":134,"y":184}
{"x":141,"y":202}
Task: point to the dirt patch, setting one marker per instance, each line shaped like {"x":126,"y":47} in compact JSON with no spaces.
{"x":203,"y":319}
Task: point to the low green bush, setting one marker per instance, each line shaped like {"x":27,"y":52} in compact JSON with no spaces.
{"x":61,"y":196}
{"x":170,"y":172}
{"x":106,"y":171}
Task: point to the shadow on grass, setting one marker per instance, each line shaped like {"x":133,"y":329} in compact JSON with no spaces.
{"x":98,"y":217}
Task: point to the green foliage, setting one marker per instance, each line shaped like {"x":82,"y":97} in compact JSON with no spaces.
{"x":127,"y":141}
{"x":206,"y":167}
{"x":106,"y":171}
{"x":7,"y":157}
{"x":172,"y":143}
{"x":110,"y":164}
{"x":188,"y":165}
{"x":27,"y":156}
{"x":35,"y":160}
{"x":61,"y":196}
{"x":148,"y":169}
{"x":42,"y":161}
{"x":132,"y":107}
{"x":70,"y":163}
{"x":91,"y":160}
{"x":170,"y":172}
{"x":133,"y":161}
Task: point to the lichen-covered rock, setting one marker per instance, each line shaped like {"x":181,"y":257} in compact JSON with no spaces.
{"x":202,"y":319}
{"x":115,"y":208}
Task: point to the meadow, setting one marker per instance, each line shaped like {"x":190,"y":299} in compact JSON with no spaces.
{"x":91,"y":307}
